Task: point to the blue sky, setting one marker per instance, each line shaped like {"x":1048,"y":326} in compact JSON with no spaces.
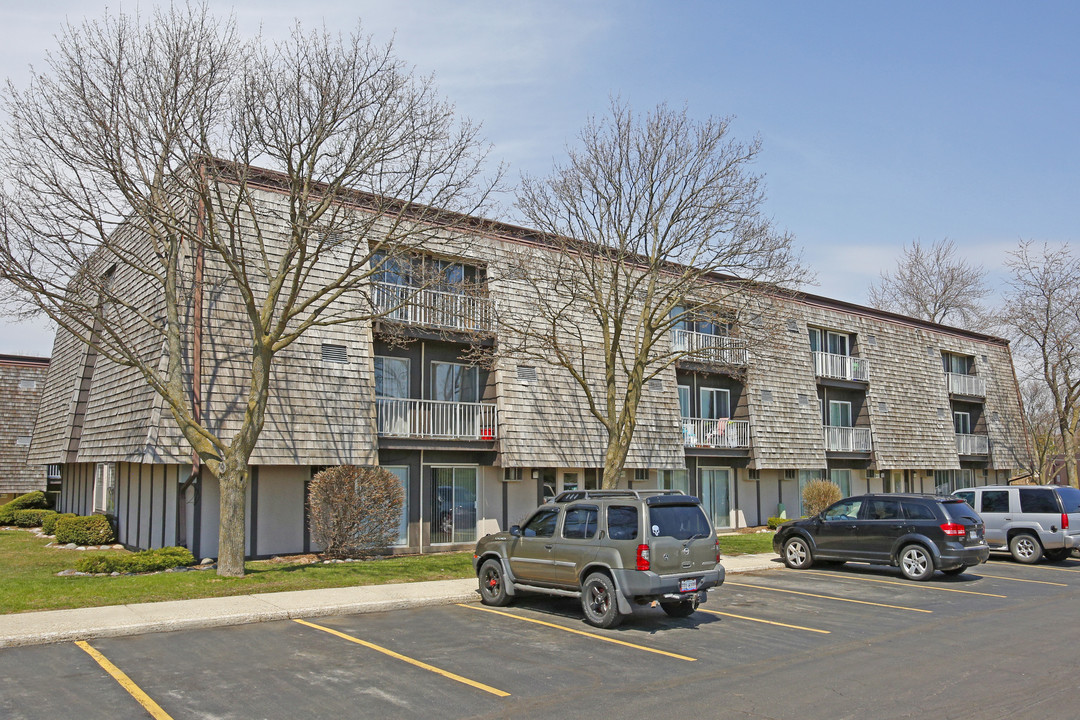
{"x":881,"y":122}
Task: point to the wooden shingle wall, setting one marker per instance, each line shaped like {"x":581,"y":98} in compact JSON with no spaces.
{"x":21,"y":384}
{"x":53,"y":430}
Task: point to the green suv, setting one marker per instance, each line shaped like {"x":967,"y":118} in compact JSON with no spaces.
{"x":611,"y":549}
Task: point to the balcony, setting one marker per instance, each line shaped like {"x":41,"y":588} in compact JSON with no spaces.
{"x":841,"y":367}
{"x":435,"y":419}
{"x":847,"y":439}
{"x":972,"y":444}
{"x":722,"y":433}
{"x":702,"y":347}
{"x":434,"y":308}
{"x":971,"y":385}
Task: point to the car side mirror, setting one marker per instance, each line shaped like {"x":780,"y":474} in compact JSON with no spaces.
{"x":515,"y":530}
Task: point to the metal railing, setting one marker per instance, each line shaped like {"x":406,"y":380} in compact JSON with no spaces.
{"x":436,"y":419}
{"x":709,"y":348}
{"x":972,"y":444}
{"x":972,"y":385}
{"x":434,"y":308}
{"x":722,"y":433}
{"x":841,"y":367}
{"x":847,"y":439}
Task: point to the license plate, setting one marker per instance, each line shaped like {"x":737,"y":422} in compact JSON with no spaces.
{"x":972,"y":534}
{"x":688,"y":585}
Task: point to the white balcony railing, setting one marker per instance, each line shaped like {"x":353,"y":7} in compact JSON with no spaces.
{"x":972,"y":444}
{"x":435,"y":419}
{"x":434,"y":308}
{"x":847,"y":439}
{"x":706,"y":433}
{"x":709,"y":348}
{"x":972,"y":385}
{"x":841,"y":367}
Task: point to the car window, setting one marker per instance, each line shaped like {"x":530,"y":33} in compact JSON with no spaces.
{"x":844,"y":510}
{"x":681,"y":522}
{"x":1070,"y":499}
{"x":580,"y":522}
{"x":967,"y":496}
{"x":882,"y":510}
{"x":622,"y":522}
{"x":995,"y":501}
{"x":1038,"y":500}
{"x":960,"y":511}
{"x":542,"y":524}
{"x":918,"y":511}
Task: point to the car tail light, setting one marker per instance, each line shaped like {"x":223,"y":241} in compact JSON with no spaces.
{"x":642,"y":557}
{"x":1064,"y":521}
{"x":717,"y":551}
{"x":955,"y":529}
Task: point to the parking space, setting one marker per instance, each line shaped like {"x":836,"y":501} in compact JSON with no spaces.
{"x":537,"y":655}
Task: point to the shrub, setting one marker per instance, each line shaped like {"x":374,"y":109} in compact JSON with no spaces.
{"x":145,"y":561}
{"x":820,"y":494}
{"x":775,"y":522}
{"x":85,"y":530}
{"x":31,"y":518}
{"x":48,"y":525}
{"x":354,"y":509}
{"x":30,"y":501}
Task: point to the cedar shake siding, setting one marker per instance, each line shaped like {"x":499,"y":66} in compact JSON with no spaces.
{"x":22,"y":381}
{"x":478,"y":456}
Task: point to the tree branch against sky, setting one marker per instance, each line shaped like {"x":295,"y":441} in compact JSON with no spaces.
{"x":642,"y":215}
{"x":1042,"y":310}
{"x":128,"y":157}
{"x":934,"y":283}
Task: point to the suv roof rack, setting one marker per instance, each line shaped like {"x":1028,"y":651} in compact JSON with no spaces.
{"x":572,"y":495}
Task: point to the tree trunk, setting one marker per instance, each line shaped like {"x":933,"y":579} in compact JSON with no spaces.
{"x":232,"y":484}
{"x":1068,"y":448}
{"x":614,"y":462}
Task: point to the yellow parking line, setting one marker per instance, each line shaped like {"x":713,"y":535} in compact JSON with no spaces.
{"x":1059,"y":569}
{"x":917,"y":586}
{"x":767,"y":622}
{"x":829,"y":597}
{"x":125,"y":682}
{"x":1036,"y":582}
{"x":581,"y":632}
{"x":403,"y":658}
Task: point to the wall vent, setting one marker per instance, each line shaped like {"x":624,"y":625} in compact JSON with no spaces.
{"x":28,"y":384}
{"x":334,"y":353}
{"x":23,"y":441}
{"x":656,"y":385}
{"x":793,"y":325}
{"x":766,"y":396}
{"x":883,"y":407}
{"x":526,"y":373}
{"x":942,"y":414}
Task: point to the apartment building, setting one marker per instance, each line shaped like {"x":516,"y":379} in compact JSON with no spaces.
{"x":22,"y":379}
{"x":868,"y":399}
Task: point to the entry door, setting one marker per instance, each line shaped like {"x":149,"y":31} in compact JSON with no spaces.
{"x":716,"y":495}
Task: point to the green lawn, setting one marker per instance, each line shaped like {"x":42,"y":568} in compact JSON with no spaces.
{"x":746,"y":544}
{"x":28,"y":578}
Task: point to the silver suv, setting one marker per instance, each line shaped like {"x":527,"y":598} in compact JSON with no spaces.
{"x":1030,"y":521}
{"x":611,"y":549}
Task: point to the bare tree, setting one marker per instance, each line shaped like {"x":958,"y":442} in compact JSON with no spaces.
{"x":128,"y":173}
{"x":1042,"y":309}
{"x":1042,"y":426}
{"x":934,"y":284}
{"x":354,"y":510}
{"x":653,"y":220}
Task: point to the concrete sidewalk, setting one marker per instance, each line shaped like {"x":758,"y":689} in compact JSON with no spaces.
{"x":52,"y":626}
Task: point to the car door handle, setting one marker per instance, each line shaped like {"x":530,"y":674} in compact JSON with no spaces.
{"x":549,"y":546}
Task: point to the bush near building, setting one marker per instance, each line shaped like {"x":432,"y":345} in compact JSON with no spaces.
{"x":145,"y":561}
{"x":31,"y":518}
{"x":30,"y":501}
{"x":354,"y":509}
{"x":48,"y":525}
{"x":85,"y":530}
{"x":820,"y":494}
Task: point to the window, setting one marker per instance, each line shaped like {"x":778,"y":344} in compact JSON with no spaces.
{"x":843,"y":511}
{"x":828,"y":341}
{"x":105,"y":488}
{"x":542,"y":524}
{"x":1038,"y":501}
{"x":682,"y":522}
{"x":883,"y":510}
{"x":816,"y":344}
{"x":675,"y":480}
{"x":967,"y":496}
{"x":622,"y":522}
{"x":838,"y":344}
{"x":580,"y":523}
{"x":715,"y":403}
{"x":570,"y":481}
{"x":956,"y":364}
{"x":962,"y":423}
{"x":1070,"y":499}
{"x":391,"y":377}
{"x":995,"y":501}
{"x":917,"y":511}
{"x":842,"y":478}
{"x":453,"y":504}
{"x":401,"y":472}
{"x":684,"y":401}
{"x":453,"y":382}
{"x":839,"y":413}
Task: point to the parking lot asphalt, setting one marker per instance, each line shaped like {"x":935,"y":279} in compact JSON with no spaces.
{"x":835,"y":642}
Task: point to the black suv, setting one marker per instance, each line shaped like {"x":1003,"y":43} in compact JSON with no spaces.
{"x":919,"y":533}
{"x":611,"y":549}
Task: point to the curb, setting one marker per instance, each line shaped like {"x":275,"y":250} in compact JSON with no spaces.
{"x":57,"y":626}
